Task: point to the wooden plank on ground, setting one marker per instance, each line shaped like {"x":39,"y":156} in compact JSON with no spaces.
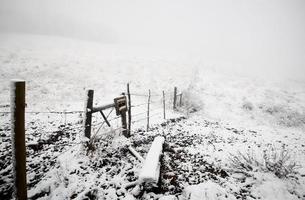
{"x":149,"y":175}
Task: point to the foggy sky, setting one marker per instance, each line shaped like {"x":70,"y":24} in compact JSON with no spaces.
{"x":246,"y":32}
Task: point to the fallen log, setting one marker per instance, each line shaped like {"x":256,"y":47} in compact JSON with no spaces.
{"x":149,"y":174}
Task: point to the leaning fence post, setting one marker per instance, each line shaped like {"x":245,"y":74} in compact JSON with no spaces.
{"x":148,"y":110}
{"x":18,"y":138}
{"x":175,"y":98}
{"x":129,"y":109}
{"x":88,"y":111}
{"x":163,"y":104}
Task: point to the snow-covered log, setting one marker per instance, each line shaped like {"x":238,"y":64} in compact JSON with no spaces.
{"x":150,"y":172}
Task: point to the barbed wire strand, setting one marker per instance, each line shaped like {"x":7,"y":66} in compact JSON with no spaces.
{"x":112,"y":130}
{"x":104,"y":121}
{"x":140,"y":119}
{"x":141,"y":113}
{"x":144,"y":95}
{"x":137,"y":105}
{"x":49,"y":112}
{"x":4,"y":106}
{"x":70,"y":147}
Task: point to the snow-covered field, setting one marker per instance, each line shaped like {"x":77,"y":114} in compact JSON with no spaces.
{"x":230,"y":113}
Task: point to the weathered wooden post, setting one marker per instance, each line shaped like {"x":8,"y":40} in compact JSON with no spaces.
{"x":65,"y":113}
{"x":121,"y":109}
{"x":88,"y":111}
{"x":148,"y":102}
{"x":18,"y":139}
{"x":163,"y":104}
{"x":124,"y":124}
{"x":175,"y":98}
{"x":180,"y":104}
{"x":150,"y":172}
{"x":129,"y":109}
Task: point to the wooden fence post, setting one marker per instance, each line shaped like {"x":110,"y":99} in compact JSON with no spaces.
{"x":65,"y":118}
{"x":18,"y":139}
{"x":129,"y":109}
{"x":148,"y":110}
{"x":88,"y":111}
{"x":124,"y":124}
{"x":180,"y":104}
{"x":175,"y":98}
{"x":163,"y":104}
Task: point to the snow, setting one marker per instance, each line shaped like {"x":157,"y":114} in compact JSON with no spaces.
{"x":151,"y":168}
{"x":169,"y":197}
{"x":228,"y":111}
{"x":270,"y":187}
{"x":208,"y":190}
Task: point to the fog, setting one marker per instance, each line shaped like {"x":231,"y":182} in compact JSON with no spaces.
{"x":256,"y":33}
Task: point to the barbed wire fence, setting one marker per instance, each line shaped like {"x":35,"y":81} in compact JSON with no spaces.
{"x":145,"y":110}
{"x":146,"y":107}
{"x":141,"y":111}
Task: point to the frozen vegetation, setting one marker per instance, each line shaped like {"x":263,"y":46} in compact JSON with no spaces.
{"x":238,"y":135}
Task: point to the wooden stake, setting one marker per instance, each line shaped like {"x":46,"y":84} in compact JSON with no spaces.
{"x":65,"y":118}
{"x":175,"y":98}
{"x":124,"y":124}
{"x":129,"y":109}
{"x":163,"y":105}
{"x":148,"y":110}
{"x":88,"y":111}
{"x":180,"y":104}
{"x":18,"y":139}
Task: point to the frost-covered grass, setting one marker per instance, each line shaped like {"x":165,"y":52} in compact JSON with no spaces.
{"x":277,"y":161}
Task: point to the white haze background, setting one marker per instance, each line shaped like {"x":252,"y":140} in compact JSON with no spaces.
{"x":268,"y":36}
{"x":205,"y":48}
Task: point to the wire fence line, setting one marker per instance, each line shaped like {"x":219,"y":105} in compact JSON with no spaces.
{"x":145,"y":95}
{"x":141,"y":113}
{"x":137,"y":105}
{"x":49,"y":112}
{"x":145,"y":118}
{"x":136,"y":116}
{"x":5,"y":106}
{"x":103,"y":122}
{"x":107,"y":132}
{"x":142,"y":104}
{"x":72,"y":145}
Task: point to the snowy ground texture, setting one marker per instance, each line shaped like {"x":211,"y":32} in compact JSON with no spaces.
{"x":240,"y":136}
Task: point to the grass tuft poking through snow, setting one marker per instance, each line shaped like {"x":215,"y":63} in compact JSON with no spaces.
{"x":277,"y":161}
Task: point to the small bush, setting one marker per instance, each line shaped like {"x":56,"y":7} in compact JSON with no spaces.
{"x":247,"y":105}
{"x":192,"y":102}
{"x":278,"y":162}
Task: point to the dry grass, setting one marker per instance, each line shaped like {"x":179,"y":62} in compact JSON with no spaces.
{"x":285,"y":115}
{"x":278,"y":162}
